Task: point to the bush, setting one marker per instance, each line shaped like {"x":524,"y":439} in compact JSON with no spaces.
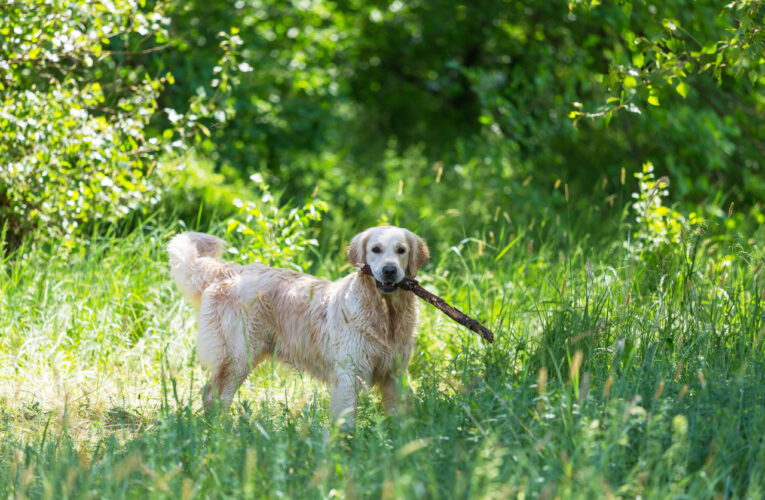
{"x":76,"y":112}
{"x":74,"y":116}
{"x":274,"y":235}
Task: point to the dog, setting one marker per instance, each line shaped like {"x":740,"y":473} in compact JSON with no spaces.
{"x":353,"y":333}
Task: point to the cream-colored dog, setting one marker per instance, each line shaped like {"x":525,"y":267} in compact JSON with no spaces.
{"x":352,"y":333}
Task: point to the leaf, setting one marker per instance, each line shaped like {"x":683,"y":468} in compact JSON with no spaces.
{"x":682,"y":89}
{"x":629,"y":82}
{"x":653,"y":100}
{"x":508,"y":247}
{"x":709,"y":49}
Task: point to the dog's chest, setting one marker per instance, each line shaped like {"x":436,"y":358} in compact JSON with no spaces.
{"x":395,"y":336}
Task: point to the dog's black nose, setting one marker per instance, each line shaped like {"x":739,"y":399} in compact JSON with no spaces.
{"x":389,"y":273}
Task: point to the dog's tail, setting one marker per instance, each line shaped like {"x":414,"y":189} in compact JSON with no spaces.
{"x":194,"y":263}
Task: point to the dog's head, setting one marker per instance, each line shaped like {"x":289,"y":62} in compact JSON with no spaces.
{"x":392,"y":253}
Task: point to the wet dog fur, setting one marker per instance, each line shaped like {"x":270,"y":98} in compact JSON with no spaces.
{"x":353,"y":333}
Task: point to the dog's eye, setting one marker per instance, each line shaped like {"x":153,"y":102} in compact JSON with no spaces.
{"x":401,"y":251}
{"x":376,"y":250}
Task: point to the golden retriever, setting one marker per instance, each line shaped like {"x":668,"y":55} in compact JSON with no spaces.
{"x":352,"y":333}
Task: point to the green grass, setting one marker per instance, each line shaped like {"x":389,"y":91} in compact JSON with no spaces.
{"x":612,"y":375}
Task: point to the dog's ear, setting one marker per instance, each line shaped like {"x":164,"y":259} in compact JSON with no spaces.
{"x":418,"y":254}
{"x":357,"y":250}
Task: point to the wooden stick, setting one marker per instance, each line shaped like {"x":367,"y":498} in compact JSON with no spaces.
{"x":454,"y":313}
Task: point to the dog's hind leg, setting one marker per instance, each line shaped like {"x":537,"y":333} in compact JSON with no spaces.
{"x":225,"y":380}
{"x":225,"y":347}
{"x":229,"y":375}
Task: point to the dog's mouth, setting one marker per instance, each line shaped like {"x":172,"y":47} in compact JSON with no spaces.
{"x":386,"y":286}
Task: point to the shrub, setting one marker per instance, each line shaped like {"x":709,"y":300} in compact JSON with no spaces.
{"x":74,"y":118}
{"x":658,"y":227}
{"x":77,"y":113}
{"x":274,"y":235}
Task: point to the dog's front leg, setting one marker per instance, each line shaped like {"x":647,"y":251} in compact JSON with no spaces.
{"x":343,"y":402}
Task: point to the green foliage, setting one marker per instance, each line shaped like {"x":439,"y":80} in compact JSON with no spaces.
{"x":658,"y":226}
{"x":76,"y":113}
{"x":287,"y":100}
{"x":496,"y":130}
{"x":488,"y":82}
{"x":74,"y":146}
{"x":312,"y":94}
{"x":274,"y":235}
{"x":724,"y":40}
{"x":690,"y":77}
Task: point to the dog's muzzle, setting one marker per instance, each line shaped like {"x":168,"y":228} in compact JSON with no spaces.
{"x":388,"y":283}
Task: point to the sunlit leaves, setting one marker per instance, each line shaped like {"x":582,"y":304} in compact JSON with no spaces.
{"x":638,"y":59}
{"x":653,"y":98}
{"x":682,"y":89}
{"x":74,"y":145}
{"x":275,"y":235}
{"x":658,"y":226}
{"x":75,"y":119}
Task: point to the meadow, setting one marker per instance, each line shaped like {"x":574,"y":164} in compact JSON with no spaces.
{"x":614,"y":374}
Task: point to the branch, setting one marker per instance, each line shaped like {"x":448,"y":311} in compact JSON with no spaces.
{"x":434,"y":300}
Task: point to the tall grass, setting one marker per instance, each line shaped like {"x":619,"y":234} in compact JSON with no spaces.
{"x":612,"y":375}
